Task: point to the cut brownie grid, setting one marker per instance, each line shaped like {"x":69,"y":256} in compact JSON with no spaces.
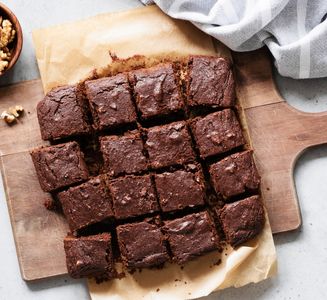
{"x":171,"y":164}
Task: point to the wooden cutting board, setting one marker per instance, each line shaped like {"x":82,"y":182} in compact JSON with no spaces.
{"x":278,"y":133}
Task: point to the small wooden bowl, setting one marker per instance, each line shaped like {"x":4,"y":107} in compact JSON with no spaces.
{"x":17,"y":44}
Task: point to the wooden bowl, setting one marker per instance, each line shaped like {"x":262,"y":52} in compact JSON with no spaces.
{"x":17,"y":44}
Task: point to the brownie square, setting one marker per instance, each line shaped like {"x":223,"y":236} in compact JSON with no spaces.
{"x":242,"y":220}
{"x":179,"y":190}
{"x":169,"y":145}
{"x":123,"y":154}
{"x":191,"y":236}
{"x":90,"y":256}
{"x":86,"y":204}
{"x":141,"y":245}
{"x":156,"y":91}
{"x":110,"y":101}
{"x":59,"y":166}
{"x":63,"y":113}
{"x":133,"y":196}
{"x":235,"y":175}
{"x":217,"y":133}
{"x":210,"y":82}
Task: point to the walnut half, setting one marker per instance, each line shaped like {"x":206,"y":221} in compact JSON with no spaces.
{"x":12,"y":114}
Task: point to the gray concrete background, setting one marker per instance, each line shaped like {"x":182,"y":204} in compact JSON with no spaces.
{"x":302,"y":255}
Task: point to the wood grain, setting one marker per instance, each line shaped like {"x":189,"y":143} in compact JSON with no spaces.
{"x":278,"y":135}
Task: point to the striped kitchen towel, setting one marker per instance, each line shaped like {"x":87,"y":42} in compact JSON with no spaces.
{"x":295,"y":31}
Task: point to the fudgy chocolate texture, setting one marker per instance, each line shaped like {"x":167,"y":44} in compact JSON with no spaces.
{"x":62,"y":113}
{"x":110,"y":101}
{"x":210,"y":82}
{"x":141,"y":245}
{"x":179,"y":190}
{"x":235,"y":175}
{"x":90,"y":256}
{"x":133,"y":196}
{"x":86,"y":204}
{"x":123,"y":154}
{"x":242,"y":220}
{"x":156,"y":91}
{"x":59,"y":166}
{"x":217,"y":133}
{"x":169,"y":145}
{"x":191,"y":236}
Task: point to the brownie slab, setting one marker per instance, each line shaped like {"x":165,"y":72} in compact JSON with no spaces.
{"x":90,"y":256}
{"x":62,"y":113}
{"x":86,"y":204}
{"x":169,"y":145}
{"x":210,"y":82}
{"x":123,"y":154}
{"x":141,"y":245}
{"x":59,"y":166}
{"x":110,"y":101}
{"x":133,"y":196}
{"x":242,"y":220}
{"x":179,"y":190}
{"x":217,"y":133}
{"x":191,"y":236}
{"x":156,"y":91}
{"x":235,"y":175}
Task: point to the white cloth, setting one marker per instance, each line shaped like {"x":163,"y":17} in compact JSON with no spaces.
{"x":294,"y":30}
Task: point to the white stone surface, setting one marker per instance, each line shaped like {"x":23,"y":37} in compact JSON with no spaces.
{"x":302,"y":255}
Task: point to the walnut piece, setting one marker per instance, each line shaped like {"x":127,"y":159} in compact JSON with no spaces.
{"x":7,"y":35}
{"x":12,"y":114}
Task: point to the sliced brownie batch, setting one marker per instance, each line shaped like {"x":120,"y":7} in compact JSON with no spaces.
{"x":175,"y":178}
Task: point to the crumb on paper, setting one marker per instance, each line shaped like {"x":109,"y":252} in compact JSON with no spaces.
{"x":12,"y":114}
{"x":7,"y":36}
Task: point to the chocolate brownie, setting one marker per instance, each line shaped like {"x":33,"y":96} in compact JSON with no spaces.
{"x":156,"y":91}
{"x":235,"y":174}
{"x":59,"y":166}
{"x":242,"y":220}
{"x":110,"y":101}
{"x":169,"y":145}
{"x":133,"y":196}
{"x":191,"y":236}
{"x":210,"y":82}
{"x":141,"y":245}
{"x":123,"y":154}
{"x":86,"y":204}
{"x":63,"y":113}
{"x":179,"y":190}
{"x":217,"y":133}
{"x":90,"y":256}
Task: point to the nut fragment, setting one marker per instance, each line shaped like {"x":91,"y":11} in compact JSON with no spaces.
{"x":7,"y":35}
{"x":12,"y":114}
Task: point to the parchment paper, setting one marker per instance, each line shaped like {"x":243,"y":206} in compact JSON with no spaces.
{"x":69,"y":53}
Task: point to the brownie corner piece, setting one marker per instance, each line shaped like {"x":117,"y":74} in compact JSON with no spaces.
{"x":63,"y":113}
{"x":210,"y":82}
{"x":142,"y":245}
{"x":123,"y":154}
{"x":59,"y":166}
{"x":133,"y":196}
{"x":156,"y":91}
{"x":217,"y":133}
{"x":235,"y":175}
{"x":169,"y":145}
{"x":242,"y":220}
{"x":180,"y":189}
{"x":191,"y":236}
{"x":110,"y":101}
{"x":86,"y":204}
{"x":90,"y":256}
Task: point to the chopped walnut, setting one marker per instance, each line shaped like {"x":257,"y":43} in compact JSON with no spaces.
{"x":7,"y":35}
{"x":12,"y":114}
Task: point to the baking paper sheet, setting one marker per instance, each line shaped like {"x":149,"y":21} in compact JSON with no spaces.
{"x":69,"y":53}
